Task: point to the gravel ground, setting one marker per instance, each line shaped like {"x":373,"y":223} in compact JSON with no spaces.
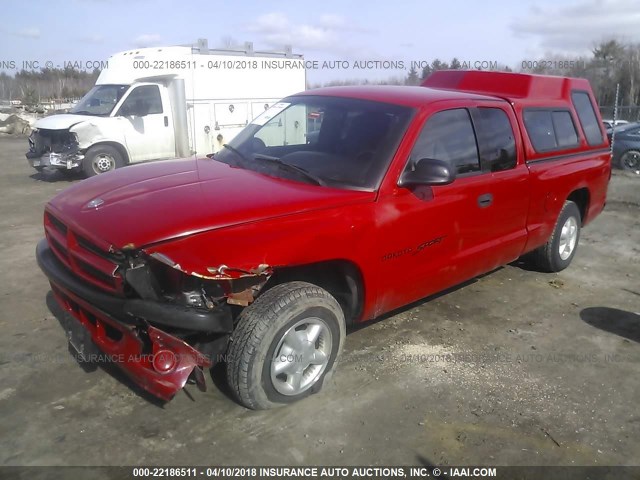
{"x":513,"y":368}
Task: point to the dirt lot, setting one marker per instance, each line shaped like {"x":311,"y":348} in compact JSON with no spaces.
{"x":514,"y":368}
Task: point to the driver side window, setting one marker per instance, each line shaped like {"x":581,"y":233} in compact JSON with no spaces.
{"x":449,"y":136}
{"x":143,"y":100}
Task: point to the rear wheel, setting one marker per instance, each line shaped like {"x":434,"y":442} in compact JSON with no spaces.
{"x":285,"y":346}
{"x":101,"y":159}
{"x":630,"y":160}
{"x":557,"y":253}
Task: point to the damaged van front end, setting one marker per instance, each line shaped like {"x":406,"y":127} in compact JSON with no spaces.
{"x":62,"y":141}
{"x":54,"y":148}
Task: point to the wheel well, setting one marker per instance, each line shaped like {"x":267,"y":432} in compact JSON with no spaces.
{"x":117,"y":146}
{"x":581,"y":198}
{"x":341,"y":278}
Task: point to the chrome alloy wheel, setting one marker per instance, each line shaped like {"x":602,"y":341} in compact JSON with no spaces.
{"x":301,"y":356}
{"x":568,"y":238}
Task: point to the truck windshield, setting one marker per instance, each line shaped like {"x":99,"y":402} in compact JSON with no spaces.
{"x":334,"y":141}
{"x":100,"y":100}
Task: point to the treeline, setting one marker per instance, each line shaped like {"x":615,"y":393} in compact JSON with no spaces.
{"x":611,"y":63}
{"x":34,"y":87}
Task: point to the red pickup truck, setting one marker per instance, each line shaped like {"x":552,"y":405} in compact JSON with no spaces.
{"x":333,"y":207}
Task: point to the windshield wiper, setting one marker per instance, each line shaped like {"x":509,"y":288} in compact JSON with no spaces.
{"x":83,"y":112}
{"x":293,"y":168}
{"x":244,"y":160}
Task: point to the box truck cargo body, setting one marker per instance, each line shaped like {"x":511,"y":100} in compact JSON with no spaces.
{"x":161,"y":103}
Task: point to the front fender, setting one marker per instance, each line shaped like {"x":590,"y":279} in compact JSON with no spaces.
{"x":260,"y":248}
{"x":103,"y":130}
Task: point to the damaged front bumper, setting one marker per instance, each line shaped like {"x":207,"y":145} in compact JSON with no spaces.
{"x":54,"y":148}
{"x":126,"y":329}
{"x":66,"y":160}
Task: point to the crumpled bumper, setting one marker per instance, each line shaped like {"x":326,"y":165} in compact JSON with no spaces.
{"x":66,"y":160}
{"x":155,"y":360}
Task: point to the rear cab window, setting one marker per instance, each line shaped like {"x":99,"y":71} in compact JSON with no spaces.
{"x":550,"y":129}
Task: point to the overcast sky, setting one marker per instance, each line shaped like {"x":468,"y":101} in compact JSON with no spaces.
{"x":413,"y":30}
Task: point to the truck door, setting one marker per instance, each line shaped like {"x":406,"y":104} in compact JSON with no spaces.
{"x":504,"y":201}
{"x":439,"y":236}
{"x":147,"y":123}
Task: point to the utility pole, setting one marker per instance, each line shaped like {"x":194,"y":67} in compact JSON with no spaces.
{"x":615,"y":117}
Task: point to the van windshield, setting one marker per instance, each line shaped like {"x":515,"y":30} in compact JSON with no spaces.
{"x":333,"y":141}
{"x":100,"y":100}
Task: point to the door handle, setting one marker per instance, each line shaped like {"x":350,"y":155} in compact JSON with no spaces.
{"x":166,"y":121}
{"x":485,"y":200}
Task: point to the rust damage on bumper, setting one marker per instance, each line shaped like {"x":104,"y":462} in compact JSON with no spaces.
{"x":252,"y":280}
{"x":240,"y":286}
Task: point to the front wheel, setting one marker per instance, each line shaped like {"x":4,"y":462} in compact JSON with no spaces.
{"x":101,"y":159}
{"x":285,"y":346}
{"x":557,"y":253}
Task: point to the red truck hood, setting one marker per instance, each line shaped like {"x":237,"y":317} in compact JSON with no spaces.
{"x":150,"y":203}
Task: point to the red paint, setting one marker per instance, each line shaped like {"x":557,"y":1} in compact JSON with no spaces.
{"x":406,"y":243}
{"x":146,"y":204}
{"x":126,"y":349}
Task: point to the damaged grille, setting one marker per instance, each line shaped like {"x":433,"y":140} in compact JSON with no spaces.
{"x":82,"y":257}
{"x":58,"y":141}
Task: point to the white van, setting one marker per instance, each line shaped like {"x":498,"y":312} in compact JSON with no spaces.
{"x":160,"y":103}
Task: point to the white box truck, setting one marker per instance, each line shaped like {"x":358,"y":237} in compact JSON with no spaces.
{"x":161,"y":103}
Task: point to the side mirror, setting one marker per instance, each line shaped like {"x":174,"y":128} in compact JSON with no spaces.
{"x":428,"y":171}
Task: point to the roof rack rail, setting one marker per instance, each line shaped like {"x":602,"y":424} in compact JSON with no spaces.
{"x":202,"y":47}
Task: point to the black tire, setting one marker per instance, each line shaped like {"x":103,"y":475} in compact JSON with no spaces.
{"x":101,"y":159}
{"x":548,"y":257}
{"x":267,"y":325}
{"x":630,"y":160}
